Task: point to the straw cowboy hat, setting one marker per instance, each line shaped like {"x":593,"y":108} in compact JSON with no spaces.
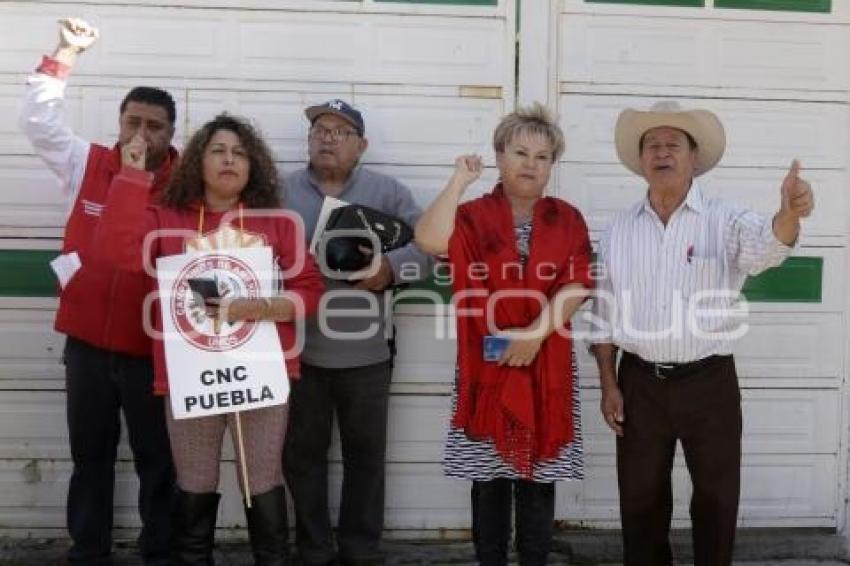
{"x":702,"y":125}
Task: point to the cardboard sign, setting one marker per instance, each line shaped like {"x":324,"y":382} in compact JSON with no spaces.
{"x":213,"y":367}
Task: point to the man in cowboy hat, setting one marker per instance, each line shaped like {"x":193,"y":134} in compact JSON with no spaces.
{"x":674,"y":265}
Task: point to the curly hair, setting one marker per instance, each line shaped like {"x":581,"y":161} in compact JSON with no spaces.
{"x":187,"y":183}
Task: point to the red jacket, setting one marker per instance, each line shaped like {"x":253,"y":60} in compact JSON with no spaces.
{"x":102,"y":305}
{"x":127,"y":220}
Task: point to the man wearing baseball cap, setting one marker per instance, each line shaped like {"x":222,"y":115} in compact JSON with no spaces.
{"x":347,"y":361}
{"x":675,"y":263}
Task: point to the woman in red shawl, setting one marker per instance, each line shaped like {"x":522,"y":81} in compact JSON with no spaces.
{"x":521,"y":269}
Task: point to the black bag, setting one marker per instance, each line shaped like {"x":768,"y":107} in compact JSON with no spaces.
{"x":343,"y":253}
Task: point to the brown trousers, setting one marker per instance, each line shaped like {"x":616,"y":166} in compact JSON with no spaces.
{"x":703,"y":411}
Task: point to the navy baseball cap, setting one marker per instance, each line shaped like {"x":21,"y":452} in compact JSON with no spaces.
{"x":338,"y":108}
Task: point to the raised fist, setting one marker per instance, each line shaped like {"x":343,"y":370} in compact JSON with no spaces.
{"x":468,"y":169}
{"x":77,"y":34}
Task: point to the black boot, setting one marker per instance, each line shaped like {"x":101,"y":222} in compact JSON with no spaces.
{"x":535,"y":521}
{"x":268,"y":528}
{"x":491,"y":521}
{"x":194,"y":529}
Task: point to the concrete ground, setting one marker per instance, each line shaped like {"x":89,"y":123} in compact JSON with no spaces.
{"x":756,"y":547}
{"x":51,"y":554}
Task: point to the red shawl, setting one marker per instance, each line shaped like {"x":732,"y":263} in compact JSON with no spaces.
{"x":527,"y":411}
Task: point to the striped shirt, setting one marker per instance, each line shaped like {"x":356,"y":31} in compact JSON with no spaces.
{"x":672,"y":294}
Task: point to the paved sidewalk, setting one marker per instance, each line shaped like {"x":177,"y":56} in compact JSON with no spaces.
{"x":50,"y":553}
{"x":754,"y":547}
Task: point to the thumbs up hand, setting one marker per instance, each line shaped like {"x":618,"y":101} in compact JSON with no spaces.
{"x":798,"y":201}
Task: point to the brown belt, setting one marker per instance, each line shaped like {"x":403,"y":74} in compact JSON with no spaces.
{"x":674,"y":370}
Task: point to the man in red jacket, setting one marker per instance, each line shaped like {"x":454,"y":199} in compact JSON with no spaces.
{"x":107,"y":353}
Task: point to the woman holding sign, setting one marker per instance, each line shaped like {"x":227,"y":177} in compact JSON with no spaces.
{"x":520,"y":263}
{"x":217,"y":237}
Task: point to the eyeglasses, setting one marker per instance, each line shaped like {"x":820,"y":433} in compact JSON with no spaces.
{"x":337,"y":134}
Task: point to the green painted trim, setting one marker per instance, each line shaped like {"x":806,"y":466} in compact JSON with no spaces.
{"x":452,"y":2}
{"x":797,"y":280}
{"x":439,"y":284}
{"x":688,"y":3}
{"x":786,"y":5}
{"x":27,"y":273}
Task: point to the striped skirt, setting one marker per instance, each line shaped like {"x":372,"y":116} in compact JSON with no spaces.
{"x":478,"y":460}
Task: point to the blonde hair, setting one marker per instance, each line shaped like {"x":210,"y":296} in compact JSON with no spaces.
{"x":528,"y":121}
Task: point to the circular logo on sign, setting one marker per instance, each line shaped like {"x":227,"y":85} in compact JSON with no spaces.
{"x":231,"y":278}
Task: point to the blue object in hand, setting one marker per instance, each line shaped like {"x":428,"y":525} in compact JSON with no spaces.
{"x":494,"y":347}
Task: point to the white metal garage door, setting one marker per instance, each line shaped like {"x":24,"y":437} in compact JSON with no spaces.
{"x":432,"y":79}
{"x":779,"y":82}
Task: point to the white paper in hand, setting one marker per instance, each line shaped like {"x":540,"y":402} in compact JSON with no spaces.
{"x":65,"y":266}
{"x":328,"y":206}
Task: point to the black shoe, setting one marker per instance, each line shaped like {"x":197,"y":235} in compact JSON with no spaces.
{"x":377,"y":560}
{"x":194,"y":529}
{"x":533,"y":559}
{"x":268,"y":528}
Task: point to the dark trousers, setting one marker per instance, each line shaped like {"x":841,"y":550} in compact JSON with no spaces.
{"x":703,"y":411}
{"x":99,"y":384}
{"x":359,"y":397}
{"x":491,"y":520}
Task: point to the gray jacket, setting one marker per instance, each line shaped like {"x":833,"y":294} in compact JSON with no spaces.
{"x":359,"y":337}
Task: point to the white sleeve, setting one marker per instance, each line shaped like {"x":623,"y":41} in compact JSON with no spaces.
{"x":751,"y":243}
{"x":42,"y":120}
{"x":604,"y":307}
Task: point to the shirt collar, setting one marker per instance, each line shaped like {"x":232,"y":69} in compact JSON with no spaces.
{"x":695,"y":200}
{"x":352,"y":178}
